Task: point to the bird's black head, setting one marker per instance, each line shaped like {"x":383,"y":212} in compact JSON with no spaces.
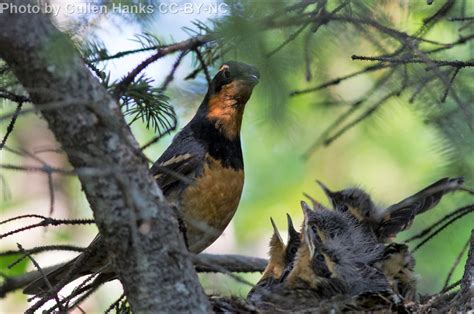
{"x":231,"y":72}
{"x":229,"y":91}
{"x":353,"y":200}
{"x":357,"y":201}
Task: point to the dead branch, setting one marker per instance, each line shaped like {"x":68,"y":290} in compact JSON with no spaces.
{"x":232,"y":263}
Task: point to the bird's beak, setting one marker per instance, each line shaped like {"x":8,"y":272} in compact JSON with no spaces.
{"x":309,"y":239}
{"x":251,"y":79}
{"x":291,"y":229}
{"x":307,"y":211}
{"x":326,"y":190}
{"x":275,"y":230}
{"x":308,"y":234}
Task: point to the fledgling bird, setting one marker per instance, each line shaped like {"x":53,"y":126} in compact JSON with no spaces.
{"x":281,"y":259}
{"x":396,"y":263}
{"x":292,"y":246}
{"x":387,"y":222}
{"x":350,"y":253}
{"x":309,"y":282}
{"x":333,"y":269}
{"x":207,"y":153}
{"x":276,"y":262}
{"x":398,"y":266}
{"x":313,"y":269}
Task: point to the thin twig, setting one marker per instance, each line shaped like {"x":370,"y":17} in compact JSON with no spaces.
{"x":446,"y":91}
{"x":115,"y":304}
{"x":437,"y":231}
{"x":425,"y":231}
{"x":45,"y":248}
{"x":203,"y":66}
{"x":47,"y":221}
{"x":51,"y":193}
{"x":85,"y":171}
{"x":170,"y":76}
{"x":340,"y":119}
{"x":338,"y":80}
{"x":362,"y":117}
{"x":45,"y":278}
{"x":457,"y":19}
{"x":11,"y":125}
{"x":181,"y":46}
{"x":454,"y":63}
{"x":157,"y":138}
{"x":13,"y":97}
{"x":455,"y":265}
{"x":288,"y":40}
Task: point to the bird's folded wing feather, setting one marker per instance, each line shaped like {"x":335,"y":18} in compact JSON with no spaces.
{"x":400,"y":216}
{"x":180,"y":163}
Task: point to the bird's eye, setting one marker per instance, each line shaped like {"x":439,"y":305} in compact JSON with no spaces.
{"x":226,"y":74}
{"x":293,"y":250}
{"x":315,"y":230}
{"x":343,"y":208}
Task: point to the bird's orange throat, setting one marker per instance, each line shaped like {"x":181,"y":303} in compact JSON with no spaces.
{"x":226,"y":108}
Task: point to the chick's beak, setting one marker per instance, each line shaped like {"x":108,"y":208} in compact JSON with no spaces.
{"x":308,"y":234}
{"x":309,"y":239}
{"x":275,"y":230}
{"x":326,"y":190}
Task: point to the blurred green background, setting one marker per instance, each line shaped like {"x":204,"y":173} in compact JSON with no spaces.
{"x":393,"y":153}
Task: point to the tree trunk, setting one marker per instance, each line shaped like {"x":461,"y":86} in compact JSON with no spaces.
{"x":140,"y":229}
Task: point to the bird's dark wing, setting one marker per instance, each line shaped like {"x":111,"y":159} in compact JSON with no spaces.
{"x":400,"y":216}
{"x":180,"y":163}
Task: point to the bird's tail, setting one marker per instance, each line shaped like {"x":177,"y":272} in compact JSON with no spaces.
{"x":10,"y":284}
{"x":93,"y":260}
{"x":52,"y":276}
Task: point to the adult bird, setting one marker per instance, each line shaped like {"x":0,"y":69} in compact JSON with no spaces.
{"x":201,"y":173}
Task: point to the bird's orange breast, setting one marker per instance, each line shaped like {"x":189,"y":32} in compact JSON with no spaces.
{"x":210,"y":202}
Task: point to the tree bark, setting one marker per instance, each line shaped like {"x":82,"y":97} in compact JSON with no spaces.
{"x":467,"y":281}
{"x":140,"y":229}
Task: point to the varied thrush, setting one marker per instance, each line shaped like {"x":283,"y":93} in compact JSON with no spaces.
{"x":207,"y":153}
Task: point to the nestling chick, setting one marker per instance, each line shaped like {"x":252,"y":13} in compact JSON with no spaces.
{"x":311,"y":267}
{"x":281,"y":259}
{"x":334,"y":261}
{"x":277,"y":252}
{"x":387,"y":222}
{"x":293,"y":244}
{"x":398,"y":266}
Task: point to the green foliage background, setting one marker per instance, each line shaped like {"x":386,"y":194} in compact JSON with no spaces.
{"x":391,"y":154}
